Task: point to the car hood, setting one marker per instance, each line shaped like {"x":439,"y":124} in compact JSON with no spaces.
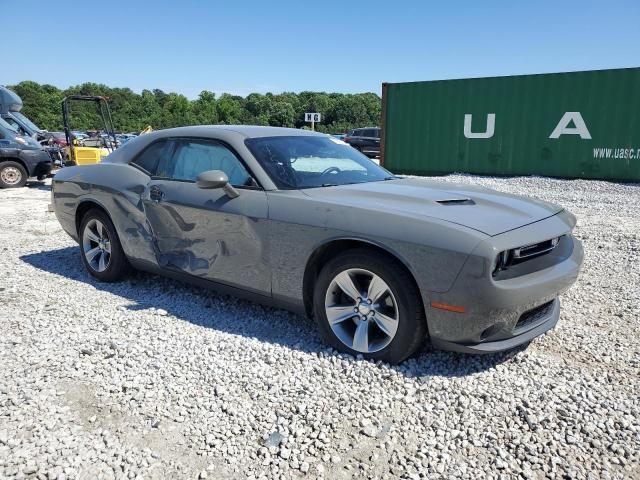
{"x":479,"y":208}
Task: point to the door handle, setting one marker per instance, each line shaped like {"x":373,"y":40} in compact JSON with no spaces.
{"x":156,"y":194}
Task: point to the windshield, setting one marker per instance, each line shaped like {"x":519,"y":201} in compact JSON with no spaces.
{"x":313,"y":161}
{"x":30,"y":125}
{"x":10,"y":129}
{"x":8,"y":126}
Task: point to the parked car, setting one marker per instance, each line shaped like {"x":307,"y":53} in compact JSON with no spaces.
{"x":365,"y":140}
{"x":299,"y":220}
{"x":21,"y":157}
{"x":78,"y":135}
{"x":54,"y":138}
{"x":123,"y":138}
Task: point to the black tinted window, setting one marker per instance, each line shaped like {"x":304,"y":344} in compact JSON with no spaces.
{"x":192,"y":157}
{"x":149,"y":159}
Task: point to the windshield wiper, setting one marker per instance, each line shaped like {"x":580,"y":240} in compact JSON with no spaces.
{"x":347,"y":183}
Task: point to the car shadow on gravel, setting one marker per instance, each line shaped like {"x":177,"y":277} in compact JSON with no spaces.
{"x":199,"y":306}
{"x":35,"y":185}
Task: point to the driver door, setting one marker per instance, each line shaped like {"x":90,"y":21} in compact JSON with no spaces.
{"x":203,"y":232}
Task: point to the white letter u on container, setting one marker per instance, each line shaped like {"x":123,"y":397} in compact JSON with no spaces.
{"x":488,"y":133}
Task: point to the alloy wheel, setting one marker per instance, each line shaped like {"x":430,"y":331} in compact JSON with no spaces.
{"x":96,"y":245}
{"x":361,"y":310}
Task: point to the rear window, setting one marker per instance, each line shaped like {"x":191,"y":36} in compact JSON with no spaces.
{"x":150,"y":157}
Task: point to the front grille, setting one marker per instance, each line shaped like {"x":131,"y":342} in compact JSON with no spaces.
{"x":535,"y":314}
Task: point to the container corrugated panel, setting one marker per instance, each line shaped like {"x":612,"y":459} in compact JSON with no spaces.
{"x":572,"y":125}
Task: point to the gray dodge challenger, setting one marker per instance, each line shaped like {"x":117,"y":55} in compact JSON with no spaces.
{"x":302,"y":221}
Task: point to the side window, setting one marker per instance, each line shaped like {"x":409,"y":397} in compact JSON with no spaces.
{"x":192,"y":157}
{"x":369,"y":133}
{"x":15,"y":125}
{"x":155,"y":159}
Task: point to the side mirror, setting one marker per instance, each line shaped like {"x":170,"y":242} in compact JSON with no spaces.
{"x":216,"y":179}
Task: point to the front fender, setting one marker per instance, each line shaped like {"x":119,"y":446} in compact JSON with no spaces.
{"x":433,"y":251}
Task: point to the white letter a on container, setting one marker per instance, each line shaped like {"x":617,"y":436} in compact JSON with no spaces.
{"x":579,"y":128}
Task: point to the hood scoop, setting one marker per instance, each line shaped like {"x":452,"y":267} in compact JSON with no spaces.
{"x":456,"y":201}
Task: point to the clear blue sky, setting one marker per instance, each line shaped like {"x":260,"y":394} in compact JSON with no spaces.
{"x":344,"y":46}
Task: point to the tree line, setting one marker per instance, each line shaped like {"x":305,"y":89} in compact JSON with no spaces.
{"x":132,"y":111}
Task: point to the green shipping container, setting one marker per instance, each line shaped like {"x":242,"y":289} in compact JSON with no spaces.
{"x":572,"y":125}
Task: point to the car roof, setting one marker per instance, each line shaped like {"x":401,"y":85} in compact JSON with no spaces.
{"x":247,"y":131}
{"x":234,"y":135}
{"x":365,"y":128}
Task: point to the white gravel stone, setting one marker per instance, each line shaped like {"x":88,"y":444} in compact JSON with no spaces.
{"x":150,"y":378}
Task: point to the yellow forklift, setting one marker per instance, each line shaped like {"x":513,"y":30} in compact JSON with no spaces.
{"x":91,"y":149}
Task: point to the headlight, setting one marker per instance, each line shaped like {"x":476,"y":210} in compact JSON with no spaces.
{"x":502,"y":261}
{"x":518,"y":255}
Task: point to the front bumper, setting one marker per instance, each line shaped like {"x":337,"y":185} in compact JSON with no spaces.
{"x":500,"y":314}
{"x":42,"y":170}
{"x":544,"y":325}
{"x":38,"y":162}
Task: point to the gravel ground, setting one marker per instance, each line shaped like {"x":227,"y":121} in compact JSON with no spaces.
{"x":150,"y":378}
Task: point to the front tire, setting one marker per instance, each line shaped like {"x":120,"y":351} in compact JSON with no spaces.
{"x":12,"y":175}
{"x":100,"y":247}
{"x":366,"y":304}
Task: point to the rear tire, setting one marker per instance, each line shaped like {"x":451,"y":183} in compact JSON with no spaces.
{"x":100,"y":247}
{"x":12,"y":175}
{"x":382,"y":318}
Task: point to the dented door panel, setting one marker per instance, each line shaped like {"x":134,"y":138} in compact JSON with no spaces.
{"x":205,"y":233}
